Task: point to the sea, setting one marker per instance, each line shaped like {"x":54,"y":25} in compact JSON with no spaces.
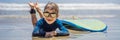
{"x":15,"y":19}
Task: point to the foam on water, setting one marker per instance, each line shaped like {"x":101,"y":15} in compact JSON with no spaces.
{"x":62,"y":16}
{"x":63,"y":6}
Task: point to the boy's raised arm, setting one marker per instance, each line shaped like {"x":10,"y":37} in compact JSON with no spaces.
{"x":33,"y":13}
{"x":39,"y":10}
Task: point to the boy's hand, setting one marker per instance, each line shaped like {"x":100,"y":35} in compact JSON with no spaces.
{"x":54,"y":33}
{"x":36,"y":5}
{"x":50,"y":34}
{"x":31,"y":5}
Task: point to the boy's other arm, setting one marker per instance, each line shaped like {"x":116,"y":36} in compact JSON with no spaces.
{"x":63,"y":30}
{"x":39,"y":10}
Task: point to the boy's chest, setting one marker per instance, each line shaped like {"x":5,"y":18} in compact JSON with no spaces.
{"x":47,"y":27}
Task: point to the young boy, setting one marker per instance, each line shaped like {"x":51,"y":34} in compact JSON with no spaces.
{"x":47,"y":25}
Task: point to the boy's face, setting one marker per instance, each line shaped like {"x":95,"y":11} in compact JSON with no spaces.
{"x":50,"y":14}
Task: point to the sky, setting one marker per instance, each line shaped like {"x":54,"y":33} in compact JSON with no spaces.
{"x":64,"y":4}
{"x":63,"y":1}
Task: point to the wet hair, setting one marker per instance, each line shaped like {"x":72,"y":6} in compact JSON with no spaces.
{"x":54,"y":6}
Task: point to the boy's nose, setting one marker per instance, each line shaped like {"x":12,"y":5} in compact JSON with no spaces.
{"x":49,"y":17}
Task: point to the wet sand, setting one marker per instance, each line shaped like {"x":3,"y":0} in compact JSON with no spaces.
{"x":19,"y":27}
{"x":72,"y":33}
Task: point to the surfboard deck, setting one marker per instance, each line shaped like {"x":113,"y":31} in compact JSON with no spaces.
{"x":92,"y":25}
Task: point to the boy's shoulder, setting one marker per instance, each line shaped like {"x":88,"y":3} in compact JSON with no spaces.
{"x":41,"y":20}
{"x":58,"y":21}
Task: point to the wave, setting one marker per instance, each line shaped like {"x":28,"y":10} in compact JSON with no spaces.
{"x":62,"y":6}
{"x":62,"y":16}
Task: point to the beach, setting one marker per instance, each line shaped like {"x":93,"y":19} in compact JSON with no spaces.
{"x":15,"y":19}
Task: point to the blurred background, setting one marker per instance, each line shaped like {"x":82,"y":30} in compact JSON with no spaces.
{"x":15,"y":19}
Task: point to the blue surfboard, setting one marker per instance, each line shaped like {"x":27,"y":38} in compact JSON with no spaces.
{"x":92,"y":25}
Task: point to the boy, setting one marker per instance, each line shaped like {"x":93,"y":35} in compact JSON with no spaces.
{"x":47,"y":25}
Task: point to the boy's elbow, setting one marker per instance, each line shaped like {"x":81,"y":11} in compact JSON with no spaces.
{"x":63,"y":34}
{"x":67,"y":33}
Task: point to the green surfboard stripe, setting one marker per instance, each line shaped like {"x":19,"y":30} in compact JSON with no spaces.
{"x":91,"y":24}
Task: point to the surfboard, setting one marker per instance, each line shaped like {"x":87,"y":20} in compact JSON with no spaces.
{"x":92,"y":25}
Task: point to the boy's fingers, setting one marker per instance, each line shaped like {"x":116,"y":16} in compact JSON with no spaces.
{"x":37,"y":0}
{"x":46,"y":34}
{"x":29,"y":4}
{"x":36,"y":3}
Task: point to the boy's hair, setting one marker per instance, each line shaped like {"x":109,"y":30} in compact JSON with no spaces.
{"x":54,"y":5}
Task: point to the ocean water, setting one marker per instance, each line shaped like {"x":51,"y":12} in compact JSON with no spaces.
{"x":15,"y":20}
